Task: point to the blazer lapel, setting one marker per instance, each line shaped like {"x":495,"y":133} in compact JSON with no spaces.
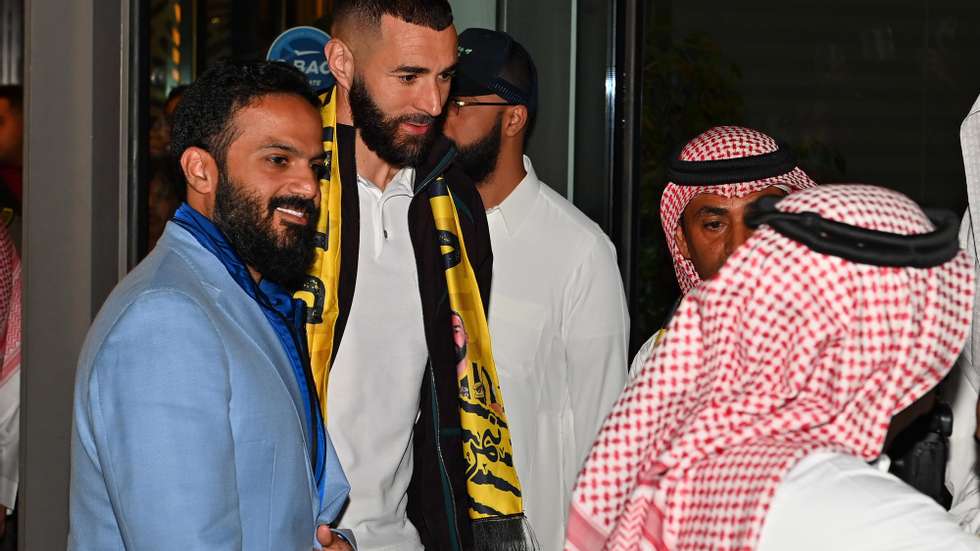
{"x":247,"y":315}
{"x":243,"y":311}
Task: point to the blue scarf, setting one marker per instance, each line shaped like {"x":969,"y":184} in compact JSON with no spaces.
{"x":286,"y":315}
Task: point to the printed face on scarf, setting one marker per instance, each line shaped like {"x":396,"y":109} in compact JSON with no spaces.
{"x":268,"y":195}
{"x":459,"y":340}
{"x":400,"y":86}
{"x":712,"y":227}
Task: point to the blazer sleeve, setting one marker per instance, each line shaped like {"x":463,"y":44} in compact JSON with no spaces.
{"x":159,"y":412}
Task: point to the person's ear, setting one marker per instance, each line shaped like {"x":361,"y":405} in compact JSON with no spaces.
{"x":340,"y":57}
{"x":515,"y":120}
{"x":681,"y":239}
{"x":200,"y":170}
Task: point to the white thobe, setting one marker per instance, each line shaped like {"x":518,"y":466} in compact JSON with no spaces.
{"x":559,"y":326}
{"x":9,"y":440}
{"x":963,"y":383}
{"x":837,"y":501}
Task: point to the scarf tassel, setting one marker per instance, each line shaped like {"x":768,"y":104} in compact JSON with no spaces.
{"x":510,"y":533}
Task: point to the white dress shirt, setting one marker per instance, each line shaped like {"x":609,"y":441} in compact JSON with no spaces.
{"x":373,"y":393}
{"x":559,"y":326}
{"x":836,"y":501}
{"x":960,"y":390}
{"x":962,"y":385}
{"x":643,"y":354}
{"x":9,"y":440}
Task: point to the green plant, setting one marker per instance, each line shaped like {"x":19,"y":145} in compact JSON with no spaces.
{"x":688,"y":86}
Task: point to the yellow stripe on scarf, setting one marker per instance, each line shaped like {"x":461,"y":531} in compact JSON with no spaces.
{"x":320,"y":292}
{"x":492,"y":482}
{"x":490,"y":475}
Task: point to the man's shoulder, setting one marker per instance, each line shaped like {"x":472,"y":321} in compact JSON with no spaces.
{"x":843,"y":491}
{"x":565,"y":219}
{"x":172,"y":277}
{"x":178,"y":265}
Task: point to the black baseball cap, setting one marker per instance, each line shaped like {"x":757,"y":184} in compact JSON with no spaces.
{"x":492,"y":62}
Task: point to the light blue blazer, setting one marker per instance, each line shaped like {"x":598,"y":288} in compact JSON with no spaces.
{"x":188,"y":428}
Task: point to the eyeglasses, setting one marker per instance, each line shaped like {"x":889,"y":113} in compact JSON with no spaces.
{"x":457,"y":104}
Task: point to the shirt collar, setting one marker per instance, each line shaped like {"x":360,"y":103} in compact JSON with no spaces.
{"x":403,"y":183}
{"x":266,"y":293}
{"x":516,"y":207}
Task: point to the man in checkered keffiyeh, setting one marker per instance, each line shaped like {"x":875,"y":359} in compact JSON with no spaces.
{"x":751,"y":424}
{"x":701,"y":216}
{"x":712,"y":179}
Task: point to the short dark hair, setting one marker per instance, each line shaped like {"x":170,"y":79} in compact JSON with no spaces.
{"x":204,"y":118}
{"x":434,"y":14}
{"x":14,"y":94}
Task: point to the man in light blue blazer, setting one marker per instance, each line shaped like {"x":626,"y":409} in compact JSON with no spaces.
{"x":196,"y":422}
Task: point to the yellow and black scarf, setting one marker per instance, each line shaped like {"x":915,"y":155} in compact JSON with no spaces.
{"x":496,"y":506}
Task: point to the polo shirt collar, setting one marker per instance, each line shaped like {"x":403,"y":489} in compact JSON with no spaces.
{"x":401,"y":184}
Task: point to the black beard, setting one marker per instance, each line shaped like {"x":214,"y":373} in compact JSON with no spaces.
{"x":380,"y":134}
{"x":280,"y":257}
{"x":479,"y":159}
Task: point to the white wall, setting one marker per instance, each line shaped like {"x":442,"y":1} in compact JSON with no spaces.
{"x":474,"y":13}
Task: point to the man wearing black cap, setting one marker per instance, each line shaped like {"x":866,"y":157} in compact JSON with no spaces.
{"x":558,"y":315}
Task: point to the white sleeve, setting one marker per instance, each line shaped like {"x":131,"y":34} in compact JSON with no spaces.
{"x":9,"y":440}
{"x":836,"y":501}
{"x":969,"y":245}
{"x":595,"y":329}
{"x":961,"y":475}
{"x":643,"y":354}
{"x":960,"y":390}
{"x":966,"y":503}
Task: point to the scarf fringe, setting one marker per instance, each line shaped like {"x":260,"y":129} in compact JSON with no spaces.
{"x":510,"y":533}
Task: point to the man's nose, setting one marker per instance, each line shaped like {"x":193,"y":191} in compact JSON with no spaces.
{"x":740,"y":234}
{"x":432,"y":97}
{"x":306,"y":183}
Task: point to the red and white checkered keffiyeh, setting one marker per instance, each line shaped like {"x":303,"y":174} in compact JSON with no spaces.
{"x":718,"y":143}
{"x":10,"y":319}
{"x":784,"y":353}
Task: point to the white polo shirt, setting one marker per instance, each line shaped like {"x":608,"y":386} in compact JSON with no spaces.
{"x":559,"y":326}
{"x":373,"y":393}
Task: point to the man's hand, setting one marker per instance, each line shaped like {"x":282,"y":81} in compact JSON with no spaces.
{"x":331,"y":541}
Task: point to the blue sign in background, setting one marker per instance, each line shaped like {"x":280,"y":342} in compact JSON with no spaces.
{"x":302,"y":47}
